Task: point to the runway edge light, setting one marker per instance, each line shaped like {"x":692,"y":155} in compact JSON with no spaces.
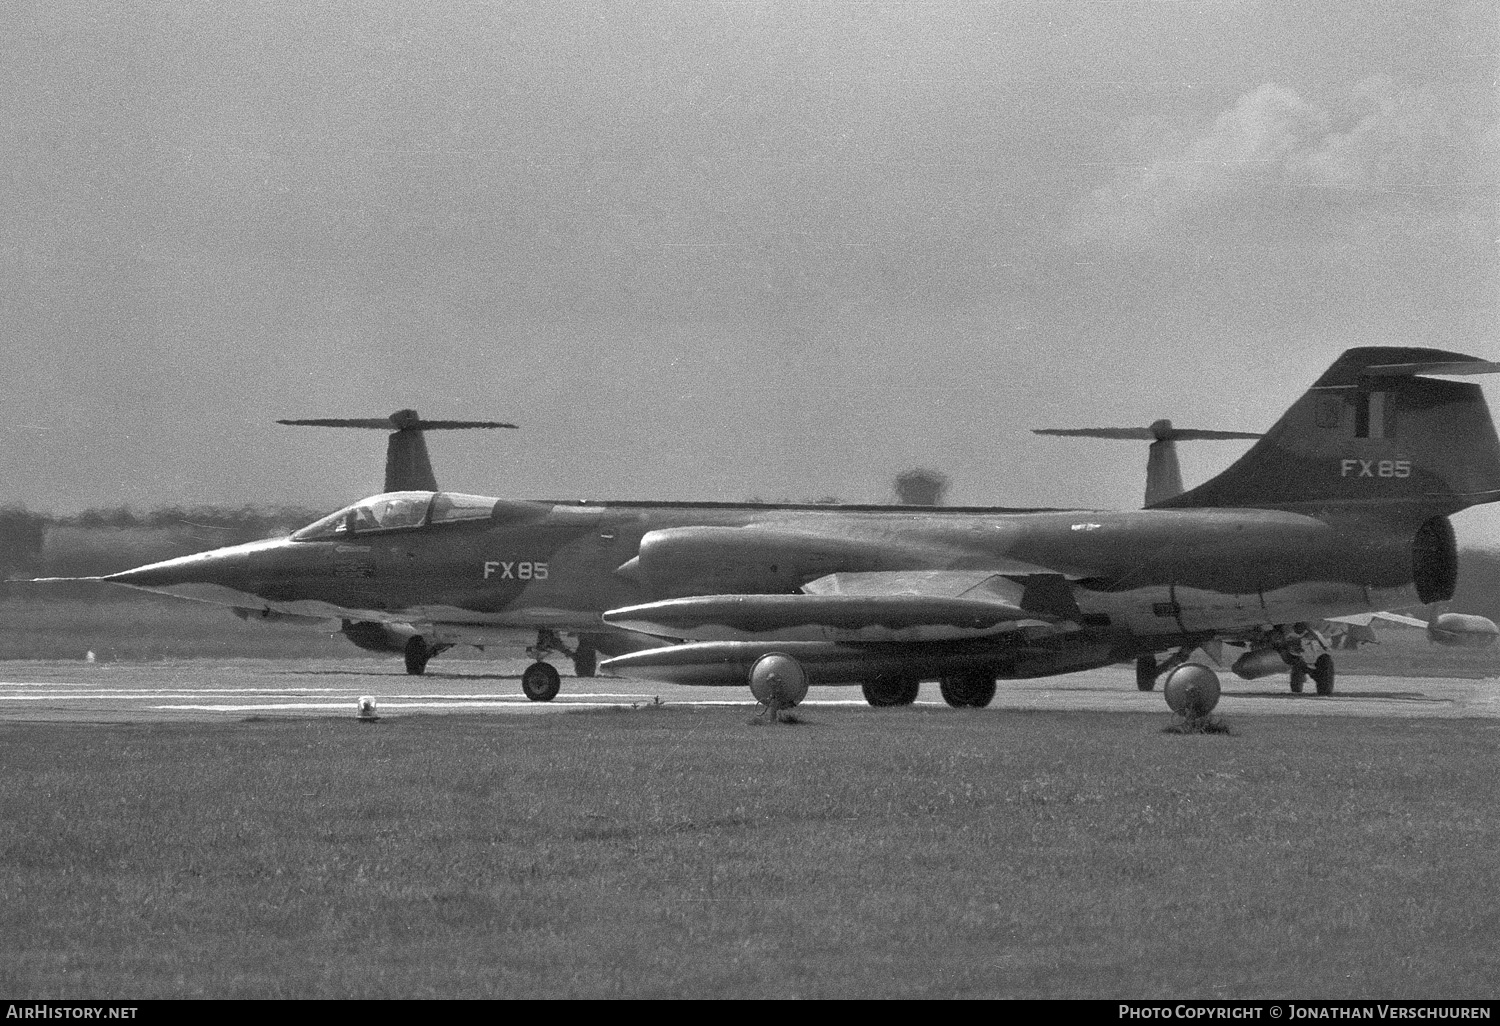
{"x":364,"y":709}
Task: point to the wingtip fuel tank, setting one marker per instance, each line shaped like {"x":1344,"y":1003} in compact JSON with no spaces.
{"x":1462,"y":630}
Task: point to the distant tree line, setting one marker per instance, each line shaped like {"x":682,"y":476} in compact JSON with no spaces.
{"x":105,"y":540}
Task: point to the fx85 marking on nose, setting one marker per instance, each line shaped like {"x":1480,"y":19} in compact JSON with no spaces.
{"x":1375,"y":468}
{"x":525,"y":570}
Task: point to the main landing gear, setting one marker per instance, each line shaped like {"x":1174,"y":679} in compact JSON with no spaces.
{"x":1294,"y":649}
{"x":968,"y":690}
{"x":1148,"y":670}
{"x":1191,"y":689}
{"x":1321,"y":672}
{"x":1308,"y":656}
{"x":885,"y":692}
{"x":961,"y":690}
{"x":1145,"y":672}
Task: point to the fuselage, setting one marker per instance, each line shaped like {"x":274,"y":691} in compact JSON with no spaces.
{"x":506,"y":564}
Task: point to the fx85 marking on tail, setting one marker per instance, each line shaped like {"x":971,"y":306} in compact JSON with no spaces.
{"x":1375,"y":468}
{"x":527,"y":570}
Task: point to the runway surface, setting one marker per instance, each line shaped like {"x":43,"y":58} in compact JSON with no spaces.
{"x":206,"y":689}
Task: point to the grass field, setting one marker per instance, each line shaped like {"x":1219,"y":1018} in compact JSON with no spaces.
{"x":691,"y":853}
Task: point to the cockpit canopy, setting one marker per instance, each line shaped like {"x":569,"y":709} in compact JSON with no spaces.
{"x":394,"y":510}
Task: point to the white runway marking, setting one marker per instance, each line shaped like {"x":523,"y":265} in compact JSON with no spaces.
{"x":208,"y":689}
{"x":382,"y":707}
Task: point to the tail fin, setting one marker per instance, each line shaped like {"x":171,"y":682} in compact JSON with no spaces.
{"x":1372,"y":431}
{"x":407,"y":465}
{"x":1163,"y":472}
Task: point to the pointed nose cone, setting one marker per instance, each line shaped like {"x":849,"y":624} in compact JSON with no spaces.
{"x":220,"y":575}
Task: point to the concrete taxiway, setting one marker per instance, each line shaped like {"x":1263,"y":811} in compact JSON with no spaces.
{"x":205,"y":689}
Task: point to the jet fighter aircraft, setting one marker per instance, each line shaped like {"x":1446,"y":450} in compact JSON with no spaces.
{"x":1342,"y":508}
{"x":408,"y":468}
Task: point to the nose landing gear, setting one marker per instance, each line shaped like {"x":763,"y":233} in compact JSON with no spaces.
{"x":541,"y":682}
{"x":416,"y":652}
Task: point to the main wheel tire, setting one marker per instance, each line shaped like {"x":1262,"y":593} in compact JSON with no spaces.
{"x":1298,"y":677}
{"x":585,"y":660}
{"x":541,"y":682}
{"x":885,"y":692}
{"x":416,"y":654}
{"x":968,"y":690}
{"x":1145,"y":672}
{"x":1322,"y":674}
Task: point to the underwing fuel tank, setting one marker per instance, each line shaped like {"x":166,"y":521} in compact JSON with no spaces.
{"x":1462,"y":630}
{"x":728,"y":663}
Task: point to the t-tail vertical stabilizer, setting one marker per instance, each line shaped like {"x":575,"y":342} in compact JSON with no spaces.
{"x":407,"y":465}
{"x":1375,"y":431}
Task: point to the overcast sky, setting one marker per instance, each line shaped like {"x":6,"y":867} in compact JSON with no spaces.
{"x":717,"y":250}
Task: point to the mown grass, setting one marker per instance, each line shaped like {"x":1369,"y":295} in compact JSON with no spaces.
{"x":663,"y":852}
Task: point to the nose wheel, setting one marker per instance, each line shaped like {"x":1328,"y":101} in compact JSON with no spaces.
{"x":416,"y":654}
{"x":585,"y":660}
{"x":540,"y":682}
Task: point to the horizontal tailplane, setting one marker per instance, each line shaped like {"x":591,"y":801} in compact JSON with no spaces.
{"x":408,"y":468}
{"x":1163,"y":473}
